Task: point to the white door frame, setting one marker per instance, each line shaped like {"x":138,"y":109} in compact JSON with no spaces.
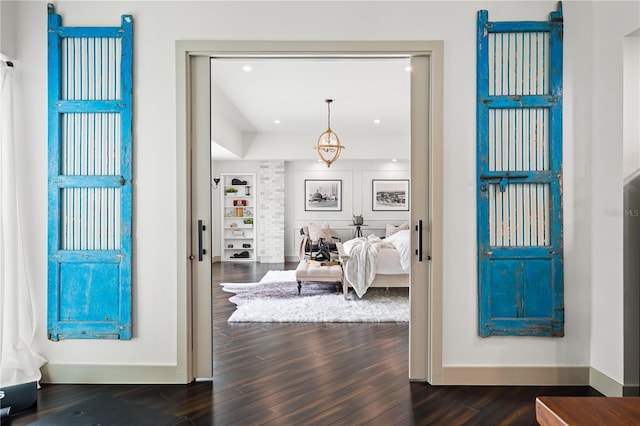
{"x":194,"y":300}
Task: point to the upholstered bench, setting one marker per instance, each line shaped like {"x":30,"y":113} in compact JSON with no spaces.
{"x":307,"y":271}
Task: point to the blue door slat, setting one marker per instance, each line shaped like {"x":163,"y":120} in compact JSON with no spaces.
{"x":517,"y":26}
{"x":84,"y":32}
{"x":520,"y":288}
{"x":520,"y":252}
{"x":83,"y":256}
{"x":71,"y":181}
{"x":126,"y":168}
{"x":95,"y":106}
{"x":538,"y":101}
{"x":555,"y":116}
{"x":525,"y":175}
{"x":89,"y":290}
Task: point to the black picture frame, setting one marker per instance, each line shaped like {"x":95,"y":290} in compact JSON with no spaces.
{"x":323,"y":195}
{"x":390,"y":195}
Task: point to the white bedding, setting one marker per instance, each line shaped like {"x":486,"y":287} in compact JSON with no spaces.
{"x":389,"y":262}
{"x":401,"y":241}
{"x":371,"y":255}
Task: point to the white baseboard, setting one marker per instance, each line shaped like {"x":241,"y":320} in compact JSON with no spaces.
{"x":497,"y":376}
{"x":604,"y":384}
{"x":112,"y":374}
{"x":533,"y":376}
{"x":515,"y":376}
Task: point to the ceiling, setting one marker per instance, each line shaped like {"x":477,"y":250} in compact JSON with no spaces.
{"x":370,"y":95}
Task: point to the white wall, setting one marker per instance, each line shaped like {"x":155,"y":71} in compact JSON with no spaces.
{"x":7,"y":45}
{"x":356,"y":179}
{"x":611,"y":22}
{"x":592,"y":168}
{"x":631,"y":119}
{"x":356,"y":176}
{"x":631,"y":237}
{"x":227,"y":122}
{"x":462,"y":346}
{"x":378,"y":146}
{"x":2,"y":31}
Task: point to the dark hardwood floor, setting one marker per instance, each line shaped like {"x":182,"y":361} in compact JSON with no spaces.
{"x":309,"y":374}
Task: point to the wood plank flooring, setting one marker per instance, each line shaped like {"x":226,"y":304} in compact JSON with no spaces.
{"x":310,"y":374}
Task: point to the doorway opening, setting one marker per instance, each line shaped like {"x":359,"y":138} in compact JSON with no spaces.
{"x":426,"y":181}
{"x":266,"y":116}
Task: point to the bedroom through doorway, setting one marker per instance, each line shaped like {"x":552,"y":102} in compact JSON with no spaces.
{"x":266,"y":116}
{"x":425,"y":60}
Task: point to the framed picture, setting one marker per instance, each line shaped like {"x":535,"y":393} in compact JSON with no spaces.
{"x":323,"y":195}
{"x":390,"y":195}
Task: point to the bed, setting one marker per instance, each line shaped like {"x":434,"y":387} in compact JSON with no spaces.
{"x":373,"y":262}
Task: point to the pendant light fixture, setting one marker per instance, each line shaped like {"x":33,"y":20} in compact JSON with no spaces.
{"x":329,"y":146}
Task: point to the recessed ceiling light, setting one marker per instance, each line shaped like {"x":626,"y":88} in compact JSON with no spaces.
{"x":407,"y":68}
{"x":376,"y":121}
{"x":276,"y":121}
{"x":394,"y":159}
{"x":247,"y":68}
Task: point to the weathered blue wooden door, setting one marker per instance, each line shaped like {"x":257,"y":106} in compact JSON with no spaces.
{"x":519,"y":177}
{"x":89,"y":266}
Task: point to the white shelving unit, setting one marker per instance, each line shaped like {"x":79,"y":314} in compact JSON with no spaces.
{"x":238,"y":217}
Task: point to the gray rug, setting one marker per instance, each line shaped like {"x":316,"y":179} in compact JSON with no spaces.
{"x":106,"y":410}
{"x":275,"y":299}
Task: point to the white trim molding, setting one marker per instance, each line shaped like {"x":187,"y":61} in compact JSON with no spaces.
{"x":112,"y":374}
{"x":425,"y":333}
{"x":604,"y":384}
{"x":515,"y":376}
{"x":533,"y":376}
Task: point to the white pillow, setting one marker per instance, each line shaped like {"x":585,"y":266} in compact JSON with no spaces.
{"x":401,"y":240}
{"x":318,"y":231}
{"x":393,"y":229}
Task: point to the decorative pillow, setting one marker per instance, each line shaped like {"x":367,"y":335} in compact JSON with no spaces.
{"x":393,"y":229}
{"x":401,"y":240}
{"x":317,"y":231}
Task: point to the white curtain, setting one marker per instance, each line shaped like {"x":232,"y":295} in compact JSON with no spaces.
{"x":18,"y":362}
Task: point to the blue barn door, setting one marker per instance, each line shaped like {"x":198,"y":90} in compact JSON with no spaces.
{"x":89,"y":248}
{"x":519,"y":177}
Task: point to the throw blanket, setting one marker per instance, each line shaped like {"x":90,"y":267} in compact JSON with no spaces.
{"x":360,"y":269}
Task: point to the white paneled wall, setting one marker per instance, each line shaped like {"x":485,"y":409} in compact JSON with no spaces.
{"x":281,"y":207}
{"x":356,"y":177}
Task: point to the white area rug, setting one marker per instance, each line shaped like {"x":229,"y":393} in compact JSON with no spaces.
{"x":275,"y":299}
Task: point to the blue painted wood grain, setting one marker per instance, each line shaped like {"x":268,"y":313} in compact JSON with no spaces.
{"x":520,"y":288}
{"x":89,"y":290}
{"x":64,"y":106}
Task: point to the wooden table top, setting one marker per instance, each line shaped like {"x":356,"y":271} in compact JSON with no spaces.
{"x":587,"y":410}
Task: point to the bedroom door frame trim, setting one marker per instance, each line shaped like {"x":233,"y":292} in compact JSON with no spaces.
{"x":425,"y":331}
